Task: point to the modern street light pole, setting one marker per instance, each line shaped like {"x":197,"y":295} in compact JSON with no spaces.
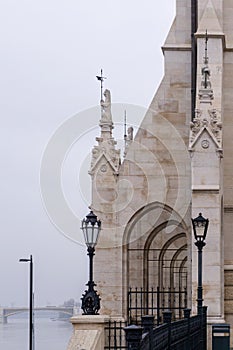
{"x":200,"y":227}
{"x":31,"y":326}
{"x":91,"y":228}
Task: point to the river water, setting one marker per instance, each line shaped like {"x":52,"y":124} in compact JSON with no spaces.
{"x":49,"y":334}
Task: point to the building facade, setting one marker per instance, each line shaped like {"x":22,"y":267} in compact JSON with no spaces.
{"x":179,"y":164}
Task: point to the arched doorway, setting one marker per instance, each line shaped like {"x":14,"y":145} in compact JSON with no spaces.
{"x":158,"y":262}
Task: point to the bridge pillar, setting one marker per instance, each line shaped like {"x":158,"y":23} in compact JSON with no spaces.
{"x":3,"y":318}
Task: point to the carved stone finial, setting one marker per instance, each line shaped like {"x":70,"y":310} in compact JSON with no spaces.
{"x":128,"y":139}
{"x":105,"y":152}
{"x":130,"y":133}
{"x":205,"y":91}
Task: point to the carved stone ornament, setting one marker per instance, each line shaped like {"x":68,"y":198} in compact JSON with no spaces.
{"x":213,"y":125}
{"x":206,"y":94}
{"x":216,"y":124}
{"x":128,"y":140}
{"x":195,"y":125}
{"x":106,"y":144}
{"x":103,"y":168}
{"x":205,"y":144}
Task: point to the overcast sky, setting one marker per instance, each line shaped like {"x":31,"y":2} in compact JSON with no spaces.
{"x":51,"y":52}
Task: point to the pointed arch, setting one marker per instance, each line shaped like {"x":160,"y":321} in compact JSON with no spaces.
{"x":153,"y":232}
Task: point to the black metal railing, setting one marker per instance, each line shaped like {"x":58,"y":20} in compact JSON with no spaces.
{"x":188,"y":333}
{"x":154,"y":302}
{"x":115,"y":335}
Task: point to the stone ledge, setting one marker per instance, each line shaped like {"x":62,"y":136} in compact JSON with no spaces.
{"x":176,"y":47}
{"x":89,"y":319}
{"x":214,"y":188}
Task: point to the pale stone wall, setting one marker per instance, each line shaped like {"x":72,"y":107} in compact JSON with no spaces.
{"x":228,"y":23}
{"x":228,"y":166}
{"x":159,"y":171}
{"x":149,"y":200}
{"x":156,"y":170}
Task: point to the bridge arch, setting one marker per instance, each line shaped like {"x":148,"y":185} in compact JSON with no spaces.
{"x":8,"y":312}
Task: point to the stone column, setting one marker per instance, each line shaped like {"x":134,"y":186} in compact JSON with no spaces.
{"x":207,"y":163}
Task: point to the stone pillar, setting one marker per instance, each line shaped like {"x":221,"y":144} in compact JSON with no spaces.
{"x":206,"y":161}
{"x":88,"y":332}
{"x":133,"y":337}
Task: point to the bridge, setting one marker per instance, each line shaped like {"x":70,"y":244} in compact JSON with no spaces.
{"x":10,"y":311}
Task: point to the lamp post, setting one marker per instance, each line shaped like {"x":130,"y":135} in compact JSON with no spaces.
{"x":200,"y":227}
{"x":91,"y":228}
{"x":31,"y":329}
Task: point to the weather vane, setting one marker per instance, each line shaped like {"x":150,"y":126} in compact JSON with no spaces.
{"x":101,"y":79}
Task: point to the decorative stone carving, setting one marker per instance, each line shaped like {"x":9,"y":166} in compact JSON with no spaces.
{"x":211,"y":122}
{"x":195,"y":125}
{"x":103,"y":168}
{"x":105,"y":152}
{"x":205,"y":144}
{"x":128,"y":139}
{"x":205,"y":92}
{"x":95,"y":152}
{"x":216,"y":124}
{"x":206,"y":95}
{"x":205,"y":80}
{"x":130,"y":133}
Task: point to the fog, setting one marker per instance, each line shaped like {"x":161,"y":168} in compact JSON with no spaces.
{"x":51,"y":52}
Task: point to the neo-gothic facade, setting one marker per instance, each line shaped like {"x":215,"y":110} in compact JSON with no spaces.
{"x":178,"y":164}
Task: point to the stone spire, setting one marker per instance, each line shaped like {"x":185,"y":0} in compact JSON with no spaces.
{"x":205,"y":91}
{"x":206,"y":118}
{"x":105,"y":154}
{"x":205,"y":145}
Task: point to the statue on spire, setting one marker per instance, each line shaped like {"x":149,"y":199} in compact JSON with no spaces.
{"x":106,"y":115}
{"x":105,"y":155}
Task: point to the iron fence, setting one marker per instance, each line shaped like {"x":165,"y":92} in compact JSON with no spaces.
{"x":154,"y":302}
{"x":189,"y":333}
{"x":115,"y":335}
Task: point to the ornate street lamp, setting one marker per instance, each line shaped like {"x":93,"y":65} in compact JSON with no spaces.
{"x":200,"y":227}
{"x":91,"y":228}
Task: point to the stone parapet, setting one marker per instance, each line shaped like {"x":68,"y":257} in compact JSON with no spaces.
{"x":88,"y":332}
